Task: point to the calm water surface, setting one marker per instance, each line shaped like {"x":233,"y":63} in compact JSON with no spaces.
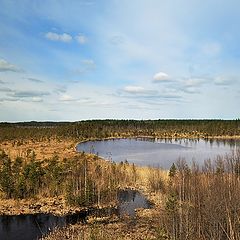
{"x":159,"y":152}
{"x":34,"y":226}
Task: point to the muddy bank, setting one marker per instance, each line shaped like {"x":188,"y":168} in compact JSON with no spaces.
{"x":56,"y":206}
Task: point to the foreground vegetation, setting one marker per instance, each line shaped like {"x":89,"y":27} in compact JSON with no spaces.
{"x":196,"y":203}
{"x":83,"y":181}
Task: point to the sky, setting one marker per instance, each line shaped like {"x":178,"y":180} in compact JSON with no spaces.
{"x":65,"y":60}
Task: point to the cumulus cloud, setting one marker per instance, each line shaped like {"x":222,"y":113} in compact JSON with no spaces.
{"x":135,"y":89}
{"x":161,"y":77}
{"x":81,"y":39}
{"x":66,"y":98}
{"x":37,"y":99}
{"x":8,"y":67}
{"x":64,"y":37}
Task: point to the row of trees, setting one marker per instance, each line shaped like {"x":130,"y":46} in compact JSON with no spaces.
{"x":119,"y":128}
{"x":83,"y":180}
{"x":203,"y":203}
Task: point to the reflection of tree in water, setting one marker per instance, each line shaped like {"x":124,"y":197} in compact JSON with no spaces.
{"x":6,"y":222}
{"x":32,"y":225}
{"x":134,"y":195}
{"x":92,"y":150}
{"x":109,"y":156}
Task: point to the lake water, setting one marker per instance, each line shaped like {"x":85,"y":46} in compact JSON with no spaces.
{"x":158,"y":152}
{"x":33,"y":226}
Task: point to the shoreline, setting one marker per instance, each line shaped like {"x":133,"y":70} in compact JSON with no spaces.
{"x":225,"y":137}
{"x":55,"y":206}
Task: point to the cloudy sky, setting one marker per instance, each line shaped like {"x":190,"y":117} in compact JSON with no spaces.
{"x":138,"y":59}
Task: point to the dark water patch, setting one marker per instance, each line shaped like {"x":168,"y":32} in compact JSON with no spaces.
{"x":131,"y":200}
{"x":28,"y":227}
{"x":34,"y":226}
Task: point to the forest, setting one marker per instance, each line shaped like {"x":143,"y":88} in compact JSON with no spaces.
{"x":121,"y":128}
{"x":83,"y":180}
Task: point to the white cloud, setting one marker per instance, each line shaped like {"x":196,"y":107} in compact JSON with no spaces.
{"x":8,"y":67}
{"x":161,"y":77}
{"x":37,"y":99}
{"x":66,"y":98}
{"x":134,"y":89}
{"x":195,"y":82}
{"x":58,"y":37}
{"x":81,"y":39}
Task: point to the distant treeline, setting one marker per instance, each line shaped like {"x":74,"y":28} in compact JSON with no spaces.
{"x":120,"y":128}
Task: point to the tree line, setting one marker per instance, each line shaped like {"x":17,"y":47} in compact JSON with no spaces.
{"x":120,"y":128}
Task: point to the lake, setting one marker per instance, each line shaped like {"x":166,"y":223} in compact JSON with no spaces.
{"x":158,"y":152}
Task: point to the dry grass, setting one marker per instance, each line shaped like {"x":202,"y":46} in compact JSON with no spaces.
{"x":44,"y":149}
{"x":144,"y":226}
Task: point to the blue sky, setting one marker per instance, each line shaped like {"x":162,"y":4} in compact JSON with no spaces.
{"x":138,"y":59}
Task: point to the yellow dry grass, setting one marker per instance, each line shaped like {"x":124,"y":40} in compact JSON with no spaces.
{"x":44,"y":149}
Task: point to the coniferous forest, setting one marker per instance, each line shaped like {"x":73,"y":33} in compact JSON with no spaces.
{"x":121,"y":128}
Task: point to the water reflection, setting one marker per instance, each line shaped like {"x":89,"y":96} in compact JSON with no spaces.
{"x":160,"y":152}
{"x":131,"y":200}
{"x":29,"y":227}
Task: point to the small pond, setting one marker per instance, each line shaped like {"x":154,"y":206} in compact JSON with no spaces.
{"x":158,"y":152}
{"x":33,"y":226}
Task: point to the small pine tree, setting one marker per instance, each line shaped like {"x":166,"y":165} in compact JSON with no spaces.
{"x":6,"y":178}
{"x":172,"y":171}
